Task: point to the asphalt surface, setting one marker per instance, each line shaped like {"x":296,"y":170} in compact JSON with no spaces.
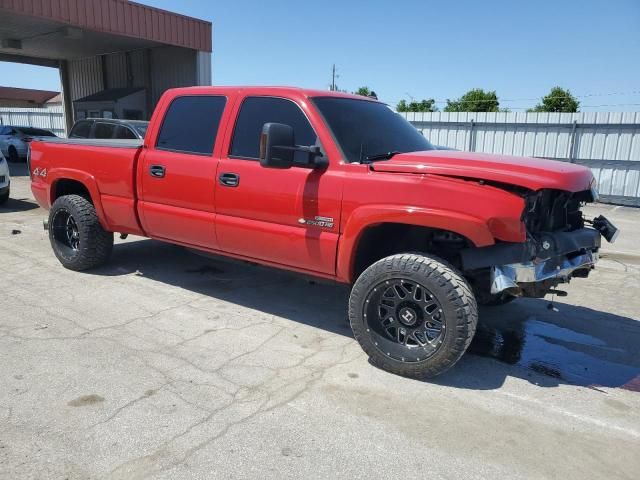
{"x":165,"y":364}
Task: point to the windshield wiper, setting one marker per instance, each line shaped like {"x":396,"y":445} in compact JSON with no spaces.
{"x":380,"y":156}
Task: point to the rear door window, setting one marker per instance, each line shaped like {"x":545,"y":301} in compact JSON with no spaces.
{"x":191,"y":124}
{"x":103,"y":130}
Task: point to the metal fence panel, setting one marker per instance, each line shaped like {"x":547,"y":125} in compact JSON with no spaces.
{"x":50,"y":117}
{"x":607,"y":142}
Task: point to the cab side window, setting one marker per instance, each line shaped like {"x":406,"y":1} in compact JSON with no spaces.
{"x":191,"y":124}
{"x":255,"y":112}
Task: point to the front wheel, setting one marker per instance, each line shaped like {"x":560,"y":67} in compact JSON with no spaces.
{"x":414,"y":315}
{"x":76,"y":236}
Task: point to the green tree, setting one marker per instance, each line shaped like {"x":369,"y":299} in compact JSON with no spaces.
{"x":364,"y":91}
{"x":476,"y":100}
{"x":558,"y":100}
{"x":421,"y":106}
{"x":402,"y":106}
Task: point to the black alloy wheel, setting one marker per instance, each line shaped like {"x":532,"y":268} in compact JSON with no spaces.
{"x":406,"y":320}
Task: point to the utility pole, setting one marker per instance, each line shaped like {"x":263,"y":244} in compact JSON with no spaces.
{"x":333,"y":78}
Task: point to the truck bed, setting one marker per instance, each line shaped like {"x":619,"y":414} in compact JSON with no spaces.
{"x":107,"y":168}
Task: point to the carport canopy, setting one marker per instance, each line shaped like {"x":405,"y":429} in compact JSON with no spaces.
{"x":45,"y":32}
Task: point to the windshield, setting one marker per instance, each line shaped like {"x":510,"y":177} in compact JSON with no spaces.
{"x":364,"y":128}
{"x":140,"y":127}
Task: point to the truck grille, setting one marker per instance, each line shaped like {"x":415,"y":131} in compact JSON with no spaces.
{"x":2,"y":178}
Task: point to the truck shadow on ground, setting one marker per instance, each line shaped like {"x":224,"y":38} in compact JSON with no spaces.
{"x":18,"y":205}
{"x":576,"y":345}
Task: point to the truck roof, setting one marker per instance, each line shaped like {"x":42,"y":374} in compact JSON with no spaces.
{"x":269,"y":90}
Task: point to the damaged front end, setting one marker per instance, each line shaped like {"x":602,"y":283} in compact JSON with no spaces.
{"x":559,"y":246}
{"x":531,"y":279}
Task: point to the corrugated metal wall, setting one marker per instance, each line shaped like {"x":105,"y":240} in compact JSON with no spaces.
{"x":85,"y":77}
{"x":172,"y":67}
{"x":155,"y":69}
{"x":607,"y":142}
{"x":50,"y":117}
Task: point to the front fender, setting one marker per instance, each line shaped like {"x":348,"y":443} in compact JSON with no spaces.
{"x":54,"y":175}
{"x":474,"y":229}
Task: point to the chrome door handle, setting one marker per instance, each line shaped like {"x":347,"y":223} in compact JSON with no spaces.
{"x":229,"y":179}
{"x":157,"y":171}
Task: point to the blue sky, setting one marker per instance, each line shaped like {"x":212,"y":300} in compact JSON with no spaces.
{"x":421,"y":49}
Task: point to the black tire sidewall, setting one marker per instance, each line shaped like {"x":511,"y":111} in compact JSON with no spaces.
{"x":456,"y":334}
{"x":90,"y":231}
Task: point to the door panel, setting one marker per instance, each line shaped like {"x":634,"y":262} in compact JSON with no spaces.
{"x":180,"y":205}
{"x":263,"y":216}
{"x":177,"y":174}
{"x":289,"y":217}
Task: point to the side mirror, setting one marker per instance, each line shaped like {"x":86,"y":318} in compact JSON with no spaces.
{"x":277,"y":148}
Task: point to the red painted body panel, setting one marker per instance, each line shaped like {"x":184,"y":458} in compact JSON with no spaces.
{"x":532,"y":173}
{"x":261,"y":217}
{"x":108,"y":174}
{"x":264,"y":218}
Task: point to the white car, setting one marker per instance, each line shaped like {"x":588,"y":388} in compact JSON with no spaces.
{"x":12,"y":140}
{"x":5,"y":180}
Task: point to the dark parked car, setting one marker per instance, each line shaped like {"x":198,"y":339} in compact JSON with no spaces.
{"x":109,"y":128}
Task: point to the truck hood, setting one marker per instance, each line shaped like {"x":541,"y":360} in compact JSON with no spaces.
{"x":532,"y":173}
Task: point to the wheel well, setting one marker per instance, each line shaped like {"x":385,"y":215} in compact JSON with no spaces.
{"x":387,"y":239}
{"x":70,"y":187}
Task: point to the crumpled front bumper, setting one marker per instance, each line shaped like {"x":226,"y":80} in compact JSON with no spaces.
{"x":532,"y":268}
{"x":506,"y":277}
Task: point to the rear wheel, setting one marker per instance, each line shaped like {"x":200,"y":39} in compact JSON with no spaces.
{"x":413,"y":315}
{"x":77,"y":238}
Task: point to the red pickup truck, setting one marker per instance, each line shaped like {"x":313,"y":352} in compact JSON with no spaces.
{"x":336,"y":186}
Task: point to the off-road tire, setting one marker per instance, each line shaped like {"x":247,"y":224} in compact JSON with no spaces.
{"x":445,"y":284}
{"x":94,"y":243}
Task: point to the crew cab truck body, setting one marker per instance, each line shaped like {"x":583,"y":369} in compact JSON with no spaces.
{"x":335,"y":186}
